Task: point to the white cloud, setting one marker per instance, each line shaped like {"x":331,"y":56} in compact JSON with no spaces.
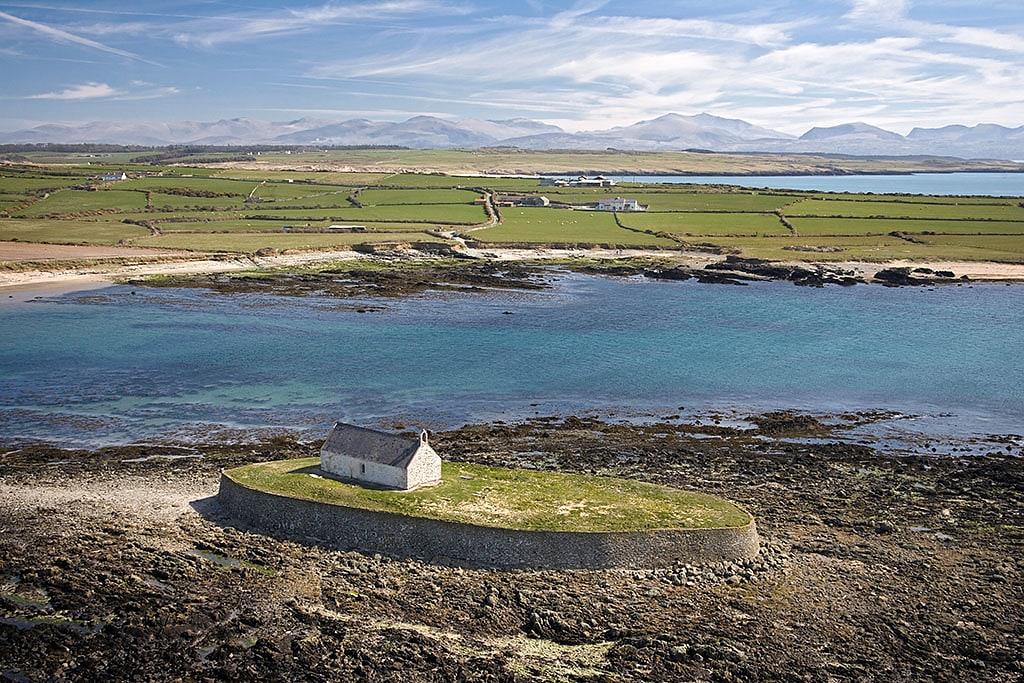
{"x":137,"y":90}
{"x":148,"y":93}
{"x":85,"y":91}
{"x":986,"y":39}
{"x":878,"y":11}
{"x":678,"y":29}
{"x":62,"y":36}
{"x":208,"y":33}
{"x":583,"y":65}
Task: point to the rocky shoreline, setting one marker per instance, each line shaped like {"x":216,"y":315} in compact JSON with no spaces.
{"x":118,"y":564}
{"x":407,"y":270}
{"x":406,"y":276}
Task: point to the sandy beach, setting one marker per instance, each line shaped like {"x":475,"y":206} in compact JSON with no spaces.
{"x":70,"y":264}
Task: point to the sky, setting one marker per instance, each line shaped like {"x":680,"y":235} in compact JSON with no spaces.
{"x":788,"y":65}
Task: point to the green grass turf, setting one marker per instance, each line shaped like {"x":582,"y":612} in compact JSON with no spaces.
{"x":742,"y":202}
{"x":202,"y":184}
{"x":278,"y":191}
{"x":176,"y":202}
{"x":82,"y":201}
{"x":564,"y":226}
{"x":881,"y":226}
{"x":516,"y":499}
{"x":379,"y":197}
{"x":246,"y":243}
{"x":433,"y":213}
{"x":1003,"y":248}
{"x":22,"y":185}
{"x":251,"y":225}
{"x":706,"y":224}
{"x":68,"y":232}
{"x":864,"y":209}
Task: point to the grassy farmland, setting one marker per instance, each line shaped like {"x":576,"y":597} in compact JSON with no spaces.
{"x":247,"y":209}
{"x":517,"y":499}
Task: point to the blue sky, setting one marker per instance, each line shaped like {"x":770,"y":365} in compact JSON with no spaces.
{"x":591,"y":64}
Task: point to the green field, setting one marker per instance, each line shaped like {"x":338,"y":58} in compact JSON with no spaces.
{"x":83,"y":201}
{"x":205,"y":209}
{"x":25,"y":186}
{"x":338,"y":179}
{"x":1002,"y":248}
{"x":464,"y":214}
{"x":68,"y":232}
{"x":376,"y":197}
{"x":889,"y":209}
{"x":238,"y":188}
{"x":678,"y":200}
{"x":513,"y":499}
{"x":252,"y":225}
{"x":511,"y":161}
{"x":706,"y":224}
{"x":247,"y":243}
{"x":175,"y":202}
{"x":880,"y":226}
{"x":278,"y":191}
{"x":562,"y":226}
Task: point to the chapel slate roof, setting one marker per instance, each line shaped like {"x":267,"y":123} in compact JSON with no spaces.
{"x":371,"y":445}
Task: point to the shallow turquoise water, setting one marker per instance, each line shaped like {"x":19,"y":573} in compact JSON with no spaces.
{"x":110,"y":366}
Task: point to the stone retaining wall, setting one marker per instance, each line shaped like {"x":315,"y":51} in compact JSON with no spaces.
{"x":350,"y":528}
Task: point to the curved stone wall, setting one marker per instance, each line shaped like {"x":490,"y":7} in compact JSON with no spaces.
{"x":350,"y":528}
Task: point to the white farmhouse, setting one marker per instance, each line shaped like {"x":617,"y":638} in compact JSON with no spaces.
{"x":380,"y":459}
{"x":619,"y":204}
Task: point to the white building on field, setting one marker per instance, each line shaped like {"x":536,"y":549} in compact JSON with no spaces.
{"x":367,"y":456}
{"x":620,"y":204}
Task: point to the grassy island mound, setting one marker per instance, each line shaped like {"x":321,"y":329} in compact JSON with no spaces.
{"x":508,"y":499}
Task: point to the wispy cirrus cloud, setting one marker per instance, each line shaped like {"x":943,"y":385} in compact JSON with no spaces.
{"x":243,"y":28}
{"x":895,"y":16}
{"x":85,"y":91}
{"x":571,"y":42}
{"x":877,"y":10}
{"x":62,"y":36}
{"x":136,"y":90}
{"x":586,"y":64}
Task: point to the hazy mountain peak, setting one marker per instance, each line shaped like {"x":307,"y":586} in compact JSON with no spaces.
{"x":671,"y":131}
{"x":856,"y":128}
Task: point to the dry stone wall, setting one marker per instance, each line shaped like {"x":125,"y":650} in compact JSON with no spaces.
{"x":350,"y":528}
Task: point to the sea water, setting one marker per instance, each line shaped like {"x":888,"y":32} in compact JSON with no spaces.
{"x":939,"y":184}
{"x":122,"y":364}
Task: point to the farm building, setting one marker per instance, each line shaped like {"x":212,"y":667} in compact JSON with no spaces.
{"x":620,"y":204}
{"x":581,"y":181}
{"x":599,"y":181}
{"x":521,"y":200}
{"x":114,"y":176}
{"x":368,"y":456}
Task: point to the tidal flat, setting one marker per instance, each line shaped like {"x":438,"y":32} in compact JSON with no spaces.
{"x":117,"y":564}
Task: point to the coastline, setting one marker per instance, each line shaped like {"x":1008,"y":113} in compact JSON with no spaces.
{"x":106,"y":268}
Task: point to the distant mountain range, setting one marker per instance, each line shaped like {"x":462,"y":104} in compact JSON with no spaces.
{"x":669,"y":132}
